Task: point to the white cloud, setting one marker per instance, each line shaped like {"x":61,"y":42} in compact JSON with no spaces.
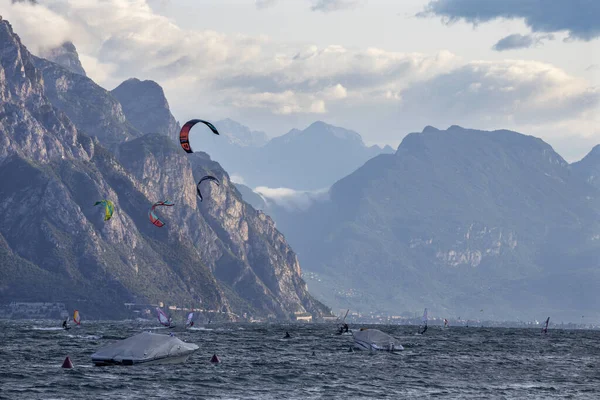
{"x":27,"y":18}
{"x":317,"y":5}
{"x":265,"y":80}
{"x":290,"y":199}
{"x":262,"y":4}
{"x":336,"y":92}
{"x":235,"y":178}
{"x":333,"y":5}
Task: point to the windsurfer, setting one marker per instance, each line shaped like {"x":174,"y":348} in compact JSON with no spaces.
{"x":287,"y":335}
{"x":64,"y":324}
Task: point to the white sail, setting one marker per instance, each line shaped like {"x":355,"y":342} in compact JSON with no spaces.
{"x":545,"y":328}
{"x":190,"y":317}
{"x":425,"y":317}
{"x":162,"y":317}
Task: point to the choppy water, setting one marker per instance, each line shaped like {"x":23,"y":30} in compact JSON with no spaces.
{"x":257,"y":363}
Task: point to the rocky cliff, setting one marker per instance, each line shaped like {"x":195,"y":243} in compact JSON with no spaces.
{"x":66,"y":143}
{"x":146,"y":107}
{"x":65,"y":55}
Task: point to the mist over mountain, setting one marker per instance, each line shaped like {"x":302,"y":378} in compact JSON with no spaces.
{"x":68,"y":143}
{"x":457,"y":221}
{"x":65,"y":55}
{"x":309,"y":159}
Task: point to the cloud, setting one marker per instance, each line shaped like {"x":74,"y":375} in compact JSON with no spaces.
{"x":237,"y":179}
{"x":317,"y":5}
{"x":262,"y":4}
{"x":290,"y":199}
{"x":333,"y":5}
{"x":510,"y":93}
{"x":580,"y":18}
{"x":277,"y":84}
{"x":27,"y":17}
{"x":517,"y":41}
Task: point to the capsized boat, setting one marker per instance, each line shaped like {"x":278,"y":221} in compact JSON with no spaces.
{"x":145,"y":348}
{"x":374,"y":339}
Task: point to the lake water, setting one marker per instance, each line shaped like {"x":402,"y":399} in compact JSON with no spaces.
{"x":257,"y":363}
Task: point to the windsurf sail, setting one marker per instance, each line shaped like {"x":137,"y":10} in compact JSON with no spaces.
{"x":545,"y":328}
{"x":445,"y":323}
{"x":344,"y":319}
{"x":189,"y":319}
{"x":76,"y":317}
{"x":424,"y":321}
{"x":162,"y":317}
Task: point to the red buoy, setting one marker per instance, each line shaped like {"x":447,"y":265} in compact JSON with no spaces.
{"x":67,"y":363}
{"x":215,"y":359}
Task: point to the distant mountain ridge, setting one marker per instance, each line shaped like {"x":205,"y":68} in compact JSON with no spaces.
{"x":309,"y":159}
{"x":457,"y":221}
{"x":589,"y":167}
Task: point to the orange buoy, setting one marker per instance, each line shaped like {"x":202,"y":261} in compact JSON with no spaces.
{"x":215,"y":359}
{"x":67,"y":363}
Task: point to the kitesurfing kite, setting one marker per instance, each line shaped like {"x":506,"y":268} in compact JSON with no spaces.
{"x":206,"y":178}
{"x":109,"y":208}
{"x":153,"y":218}
{"x":184,"y":134}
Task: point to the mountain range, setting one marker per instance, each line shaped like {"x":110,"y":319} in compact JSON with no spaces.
{"x":458,"y":221}
{"x":67,"y":143}
{"x":309,"y":159}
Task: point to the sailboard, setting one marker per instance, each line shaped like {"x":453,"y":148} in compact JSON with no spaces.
{"x":162,"y":317}
{"x":76,"y":317}
{"x":545,"y":328}
{"x":190,"y":319}
{"x":344,"y":319}
{"x":424,"y":320}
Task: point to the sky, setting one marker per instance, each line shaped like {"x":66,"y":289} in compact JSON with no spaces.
{"x":380,"y":67}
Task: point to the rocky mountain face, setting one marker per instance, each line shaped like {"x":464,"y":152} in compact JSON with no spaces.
{"x":309,"y":159}
{"x":67,"y":143}
{"x":457,"y":221}
{"x":65,"y":55}
{"x":90,"y":107}
{"x":146,"y":107}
